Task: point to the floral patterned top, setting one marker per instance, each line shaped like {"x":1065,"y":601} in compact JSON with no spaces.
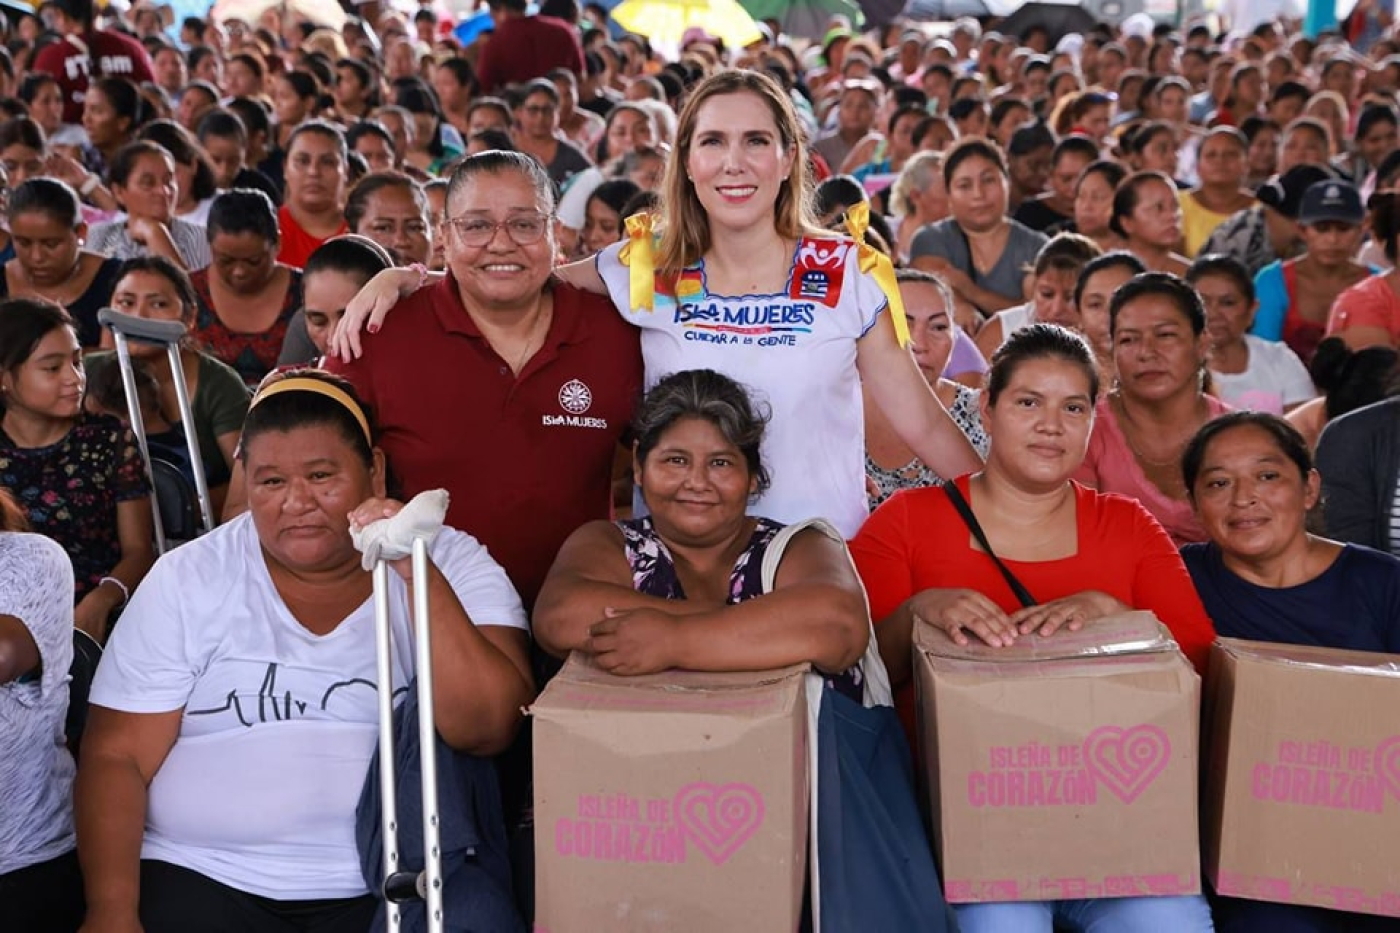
{"x":915,"y":474}
{"x":253,"y":355}
{"x":654,"y":573}
{"x":70,"y":491}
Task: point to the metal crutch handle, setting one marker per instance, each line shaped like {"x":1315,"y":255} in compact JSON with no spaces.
{"x":126,"y":327}
{"x":139,"y":328}
{"x":398,"y":886}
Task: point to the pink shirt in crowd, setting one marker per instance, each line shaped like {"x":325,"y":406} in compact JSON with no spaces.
{"x":1110,"y":466}
{"x":1372,"y":302}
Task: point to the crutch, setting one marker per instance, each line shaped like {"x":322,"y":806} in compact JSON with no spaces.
{"x":168,"y":334}
{"x":403,"y":886}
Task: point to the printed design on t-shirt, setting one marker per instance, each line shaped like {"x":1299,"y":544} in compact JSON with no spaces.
{"x":820,"y":271}
{"x":269,"y":703}
{"x":669,"y":288}
{"x":776,"y":320}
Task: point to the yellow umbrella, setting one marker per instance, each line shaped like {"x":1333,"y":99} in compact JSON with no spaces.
{"x":665,"y":22}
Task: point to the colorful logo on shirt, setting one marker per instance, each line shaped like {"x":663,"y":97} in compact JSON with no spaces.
{"x":820,"y":272}
{"x":690,"y":285}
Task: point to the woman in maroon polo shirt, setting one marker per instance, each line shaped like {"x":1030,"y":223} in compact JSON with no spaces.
{"x":500,"y":383}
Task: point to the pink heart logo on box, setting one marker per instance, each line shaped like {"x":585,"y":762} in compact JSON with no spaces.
{"x":1388,"y":764}
{"x":719,"y":818}
{"x":1127,"y":761}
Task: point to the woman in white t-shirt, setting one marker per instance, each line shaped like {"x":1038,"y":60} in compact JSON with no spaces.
{"x":234,"y":715}
{"x":40,"y":887}
{"x":1247,"y":372}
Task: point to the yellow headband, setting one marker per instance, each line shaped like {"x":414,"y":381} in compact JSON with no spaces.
{"x":316,"y":386}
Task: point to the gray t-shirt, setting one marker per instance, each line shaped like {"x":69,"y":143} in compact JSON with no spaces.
{"x":36,"y":771}
{"x":297,"y":348}
{"x":946,"y":240}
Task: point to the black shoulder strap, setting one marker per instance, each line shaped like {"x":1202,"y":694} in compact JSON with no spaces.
{"x":971,"y":260}
{"x":956,"y":497}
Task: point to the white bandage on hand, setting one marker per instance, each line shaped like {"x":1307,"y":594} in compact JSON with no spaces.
{"x":392,"y":538}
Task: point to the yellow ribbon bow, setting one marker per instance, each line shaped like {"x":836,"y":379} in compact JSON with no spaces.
{"x":636,"y":255}
{"x":877,"y":264}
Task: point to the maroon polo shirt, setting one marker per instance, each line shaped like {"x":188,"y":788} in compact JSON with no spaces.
{"x":526,"y":459}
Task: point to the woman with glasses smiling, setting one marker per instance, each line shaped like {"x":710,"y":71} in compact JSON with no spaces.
{"x":246,"y":298}
{"x":500,"y":383}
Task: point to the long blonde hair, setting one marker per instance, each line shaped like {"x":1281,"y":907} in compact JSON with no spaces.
{"x":685,"y":238}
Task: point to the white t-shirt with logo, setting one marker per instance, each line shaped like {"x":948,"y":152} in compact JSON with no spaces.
{"x":1273,"y":379}
{"x":278,"y":725}
{"x":796,"y":354}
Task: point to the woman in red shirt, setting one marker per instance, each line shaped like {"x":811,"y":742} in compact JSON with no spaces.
{"x":1080,"y":554}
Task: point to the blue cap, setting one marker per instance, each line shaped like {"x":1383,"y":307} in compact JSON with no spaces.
{"x":1336,"y":201}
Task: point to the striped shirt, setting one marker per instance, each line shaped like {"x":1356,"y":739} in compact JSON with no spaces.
{"x":191,"y":241}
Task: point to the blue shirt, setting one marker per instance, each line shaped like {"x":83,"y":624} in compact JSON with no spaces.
{"x":1271,"y":291}
{"x":1202,"y":106}
{"x":1353,"y":604}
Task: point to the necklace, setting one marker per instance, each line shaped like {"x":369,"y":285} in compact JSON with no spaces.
{"x":1172,"y":461}
{"x":541,"y":315}
{"x":980,"y":244}
{"x":63,"y":292}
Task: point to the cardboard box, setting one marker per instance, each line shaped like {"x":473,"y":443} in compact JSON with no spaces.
{"x":673,"y":802}
{"x":1303,"y":789}
{"x":1063,"y":767}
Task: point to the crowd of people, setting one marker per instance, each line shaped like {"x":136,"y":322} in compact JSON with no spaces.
{"x":729,"y":358}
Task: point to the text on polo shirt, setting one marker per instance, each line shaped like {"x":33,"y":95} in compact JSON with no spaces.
{"x":575,"y":398}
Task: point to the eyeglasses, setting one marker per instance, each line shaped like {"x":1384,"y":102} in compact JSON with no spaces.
{"x":524,"y":230}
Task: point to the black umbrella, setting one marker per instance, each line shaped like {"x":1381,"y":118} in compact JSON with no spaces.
{"x":880,"y":12}
{"x":1057,"y":19}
